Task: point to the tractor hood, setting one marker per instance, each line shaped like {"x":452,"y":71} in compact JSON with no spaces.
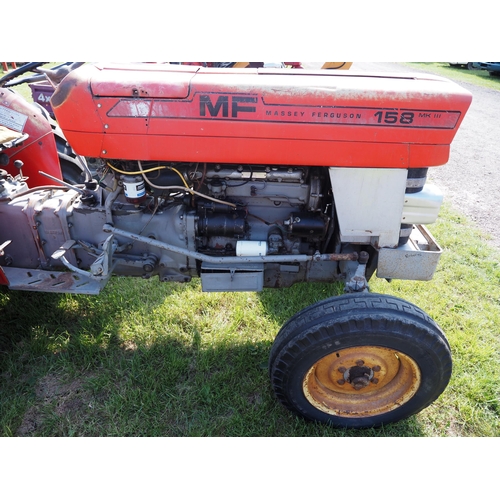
{"x":267,"y":116}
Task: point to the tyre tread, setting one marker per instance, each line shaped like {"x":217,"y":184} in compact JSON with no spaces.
{"x":319,"y":325}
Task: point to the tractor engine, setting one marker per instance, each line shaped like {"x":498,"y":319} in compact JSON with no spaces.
{"x":217,"y":210}
{"x":247,"y":178}
{"x":253,"y":178}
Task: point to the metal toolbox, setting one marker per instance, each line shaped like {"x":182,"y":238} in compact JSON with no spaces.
{"x":416,"y":260}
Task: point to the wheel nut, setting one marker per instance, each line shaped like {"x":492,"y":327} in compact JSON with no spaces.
{"x":342,"y":369}
{"x":341,"y":381}
{"x":376,"y":368}
{"x":360,"y":383}
{"x":360,"y":362}
{"x":374,"y":380}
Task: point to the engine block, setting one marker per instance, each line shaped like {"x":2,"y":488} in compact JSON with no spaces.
{"x":282,"y":209}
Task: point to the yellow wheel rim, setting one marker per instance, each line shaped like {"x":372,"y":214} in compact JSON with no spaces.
{"x":361,"y":381}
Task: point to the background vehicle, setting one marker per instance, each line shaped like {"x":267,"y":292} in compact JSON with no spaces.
{"x":253,"y":178}
{"x":493,"y":68}
{"x":468,"y":65}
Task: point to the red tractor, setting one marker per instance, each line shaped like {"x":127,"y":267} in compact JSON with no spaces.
{"x":247,"y":178}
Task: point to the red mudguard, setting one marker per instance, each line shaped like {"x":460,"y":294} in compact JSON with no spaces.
{"x":38,"y":152}
{"x":262,"y":116}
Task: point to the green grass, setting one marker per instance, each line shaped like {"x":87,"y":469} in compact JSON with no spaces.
{"x":474,"y":76}
{"x":151,"y":359}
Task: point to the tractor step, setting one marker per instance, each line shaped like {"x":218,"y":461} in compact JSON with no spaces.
{"x":50,"y":281}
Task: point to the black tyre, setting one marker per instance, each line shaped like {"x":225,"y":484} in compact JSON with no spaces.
{"x":359,"y":360}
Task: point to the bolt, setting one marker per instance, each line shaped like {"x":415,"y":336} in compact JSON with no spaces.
{"x":363,"y":257}
{"x":360,"y":383}
{"x":376,"y":368}
{"x":360,"y":362}
{"x":342,"y":369}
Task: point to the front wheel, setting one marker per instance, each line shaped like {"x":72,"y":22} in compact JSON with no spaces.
{"x":359,"y":360}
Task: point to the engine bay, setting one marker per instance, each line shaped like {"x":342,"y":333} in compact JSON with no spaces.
{"x":251,"y":212}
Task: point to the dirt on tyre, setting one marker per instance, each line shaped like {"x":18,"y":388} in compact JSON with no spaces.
{"x":359,"y":360}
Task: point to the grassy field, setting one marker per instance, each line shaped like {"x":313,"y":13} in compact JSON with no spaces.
{"x":461,"y":74}
{"x":152,"y":359}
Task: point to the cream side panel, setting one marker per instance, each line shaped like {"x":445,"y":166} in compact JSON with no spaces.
{"x":369,"y":204}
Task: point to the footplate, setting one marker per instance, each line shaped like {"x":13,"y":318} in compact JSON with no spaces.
{"x":49,"y":281}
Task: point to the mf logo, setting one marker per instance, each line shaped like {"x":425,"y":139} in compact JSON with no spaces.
{"x":238,"y":104}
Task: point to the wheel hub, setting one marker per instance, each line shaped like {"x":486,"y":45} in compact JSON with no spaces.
{"x":359,"y":375}
{"x":361,"y":381}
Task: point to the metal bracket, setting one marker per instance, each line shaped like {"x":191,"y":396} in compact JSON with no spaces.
{"x":103,"y":265}
{"x":100,"y":269}
{"x":356,"y":282}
